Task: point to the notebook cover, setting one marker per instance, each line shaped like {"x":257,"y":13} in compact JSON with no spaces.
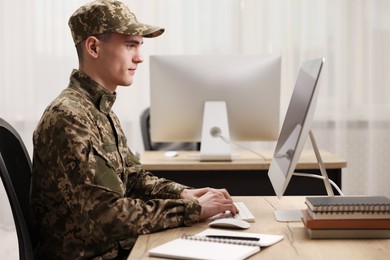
{"x":348,"y":215}
{"x":348,"y":204}
{"x":347,"y":233}
{"x":309,"y":222}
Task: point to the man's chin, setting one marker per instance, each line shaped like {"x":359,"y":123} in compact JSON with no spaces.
{"x":126,"y":83}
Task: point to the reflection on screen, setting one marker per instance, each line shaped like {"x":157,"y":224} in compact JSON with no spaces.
{"x":295,"y":117}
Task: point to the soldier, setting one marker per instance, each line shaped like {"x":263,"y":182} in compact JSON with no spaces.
{"x":90,"y":196}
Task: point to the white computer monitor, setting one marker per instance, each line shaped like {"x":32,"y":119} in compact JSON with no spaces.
{"x":198,"y":97}
{"x":296,"y":129}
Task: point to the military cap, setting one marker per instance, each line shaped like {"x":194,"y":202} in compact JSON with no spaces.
{"x":104,"y":16}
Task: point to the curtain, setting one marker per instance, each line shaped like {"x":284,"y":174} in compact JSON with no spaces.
{"x":352,"y":118}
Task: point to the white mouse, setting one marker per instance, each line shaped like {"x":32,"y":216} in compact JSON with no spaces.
{"x":170,"y":154}
{"x":229,"y":223}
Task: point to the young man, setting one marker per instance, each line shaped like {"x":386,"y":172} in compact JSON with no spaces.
{"x":90,"y":196}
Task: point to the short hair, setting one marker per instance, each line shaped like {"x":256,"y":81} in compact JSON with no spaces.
{"x":104,"y":37}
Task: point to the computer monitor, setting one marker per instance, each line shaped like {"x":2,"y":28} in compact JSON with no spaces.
{"x":296,"y":129}
{"x":204,"y":97}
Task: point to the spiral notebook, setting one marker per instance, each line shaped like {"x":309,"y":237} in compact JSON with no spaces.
{"x":215,"y":245}
{"x":370,"y":204}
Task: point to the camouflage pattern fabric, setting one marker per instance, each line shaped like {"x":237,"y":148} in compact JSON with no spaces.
{"x":108,"y":16}
{"x":90,"y":196}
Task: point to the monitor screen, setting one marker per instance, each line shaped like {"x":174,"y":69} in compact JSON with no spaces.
{"x":296,"y":125}
{"x":242,"y":91}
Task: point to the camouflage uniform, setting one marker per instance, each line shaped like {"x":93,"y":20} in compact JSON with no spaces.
{"x":89,"y":192}
{"x":90,"y":196}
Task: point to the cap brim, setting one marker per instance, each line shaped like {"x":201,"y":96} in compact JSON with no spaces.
{"x":153,"y":31}
{"x":141,"y":29}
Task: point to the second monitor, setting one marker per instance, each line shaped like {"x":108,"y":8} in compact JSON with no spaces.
{"x":205,"y":97}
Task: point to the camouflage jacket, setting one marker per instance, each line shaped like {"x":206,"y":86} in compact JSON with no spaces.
{"x":89,"y":193}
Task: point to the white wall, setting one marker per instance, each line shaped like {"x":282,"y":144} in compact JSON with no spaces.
{"x":37,"y":56}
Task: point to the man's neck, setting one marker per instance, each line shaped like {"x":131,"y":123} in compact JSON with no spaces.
{"x":90,"y":72}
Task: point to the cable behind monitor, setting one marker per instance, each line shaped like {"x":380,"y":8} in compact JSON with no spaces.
{"x":310,"y":175}
{"x":230,"y":141}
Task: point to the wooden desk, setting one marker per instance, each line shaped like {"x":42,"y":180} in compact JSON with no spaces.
{"x":245,"y":175}
{"x":295,"y":245}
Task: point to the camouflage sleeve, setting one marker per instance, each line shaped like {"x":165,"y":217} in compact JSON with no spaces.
{"x":145,"y":185}
{"x":104,"y":209}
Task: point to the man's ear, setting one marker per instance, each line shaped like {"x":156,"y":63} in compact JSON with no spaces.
{"x":92,"y":46}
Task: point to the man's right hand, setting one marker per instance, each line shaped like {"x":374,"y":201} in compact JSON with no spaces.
{"x":216,"y":201}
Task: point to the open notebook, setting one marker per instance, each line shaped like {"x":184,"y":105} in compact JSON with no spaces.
{"x":215,"y":244}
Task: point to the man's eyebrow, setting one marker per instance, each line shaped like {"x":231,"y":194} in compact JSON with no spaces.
{"x":134,"y":41}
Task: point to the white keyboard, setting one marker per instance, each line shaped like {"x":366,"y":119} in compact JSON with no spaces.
{"x":244,"y":213}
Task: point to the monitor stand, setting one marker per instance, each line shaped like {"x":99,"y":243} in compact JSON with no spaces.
{"x":215,"y":124}
{"x":295,"y":215}
{"x":288,"y":215}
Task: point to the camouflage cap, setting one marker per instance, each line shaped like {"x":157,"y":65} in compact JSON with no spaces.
{"x":104,"y":16}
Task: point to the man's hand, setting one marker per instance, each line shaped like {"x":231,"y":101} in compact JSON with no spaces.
{"x":213,"y":201}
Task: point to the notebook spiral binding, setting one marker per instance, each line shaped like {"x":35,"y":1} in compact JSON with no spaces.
{"x":221,"y":240}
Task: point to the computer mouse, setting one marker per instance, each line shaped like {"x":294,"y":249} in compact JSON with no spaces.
{"x":229,"y":223}
{"x":171,"y":154}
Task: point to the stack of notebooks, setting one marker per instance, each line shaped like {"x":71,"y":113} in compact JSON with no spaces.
{"x":347,"y":217}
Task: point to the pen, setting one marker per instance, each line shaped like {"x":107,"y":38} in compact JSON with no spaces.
{"x":234,"y":237}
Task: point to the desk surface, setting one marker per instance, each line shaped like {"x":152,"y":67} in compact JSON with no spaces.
{"x":189,"y":160}
{"x":295,"y":245}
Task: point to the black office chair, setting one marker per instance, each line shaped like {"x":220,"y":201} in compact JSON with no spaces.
{"x":15,"y":171}
{"x":156,"y":146}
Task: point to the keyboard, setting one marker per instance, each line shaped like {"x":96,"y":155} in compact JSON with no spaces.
{"x":244,"y":213}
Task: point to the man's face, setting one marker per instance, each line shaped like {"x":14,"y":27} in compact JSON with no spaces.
{"x":118,"y":60}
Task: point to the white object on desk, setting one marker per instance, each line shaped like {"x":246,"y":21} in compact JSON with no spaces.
{"x":171,"y":154}
{"x":229,"y":223}
{"x":184,"y":248}
{"x":265,"y":239}
{"x":202,"y":247}
{"x":288,"y":215}
{"x":243,"y":213}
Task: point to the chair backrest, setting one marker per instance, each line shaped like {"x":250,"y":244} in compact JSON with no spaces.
{"x":154,"y":146}
{"x":145,"y":129}
{"x":15,"y":171}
